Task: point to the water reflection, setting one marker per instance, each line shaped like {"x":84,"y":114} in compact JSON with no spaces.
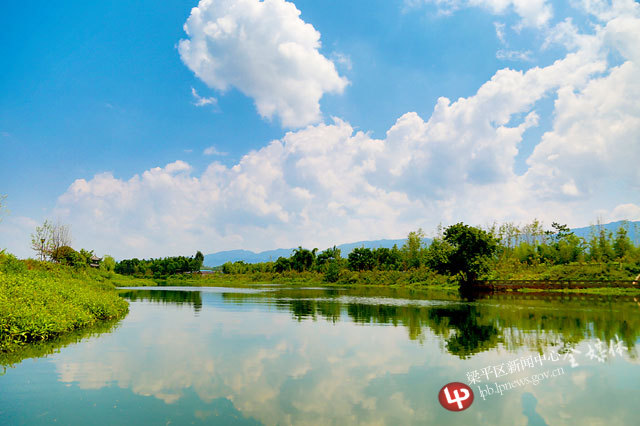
{"x":41,"y":349}
{"x":511,"y":321}
{"x":295,"y":356}
{"x":171,"y":297}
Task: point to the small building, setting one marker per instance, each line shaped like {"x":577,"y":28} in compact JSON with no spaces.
{"x":95,"y":261}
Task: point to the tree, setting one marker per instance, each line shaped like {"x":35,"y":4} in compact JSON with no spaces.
{"x":282,"y":264}
{"x":361,"y":259}
{"x":412,"y":248}
{"x":387,"y":259}
{"x":329,"y":254}
{"x":437,"y":255}
{"x":67,"y":256}
{"x":622,"y":244}
{"x":108,"y":263}
{"x":40,"y":240}
{"x":50,"y":237}
{"x":333,"y":271}
{"x":86,"y":256}
{"x":199,"y":260}
{"x":302,"y":259}
{"x":471,"y":250}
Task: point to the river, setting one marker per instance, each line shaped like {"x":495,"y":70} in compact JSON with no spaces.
{"x":278,"y":355}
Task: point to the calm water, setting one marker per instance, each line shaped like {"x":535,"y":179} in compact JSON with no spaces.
{"x":279,"y":356}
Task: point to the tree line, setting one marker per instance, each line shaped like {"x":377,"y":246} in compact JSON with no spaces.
{"x":160,"y":267}
{"x":52,"y":243}
{"x":464,"y":251}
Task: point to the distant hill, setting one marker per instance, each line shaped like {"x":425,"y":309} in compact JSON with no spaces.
{"x":633,"y":228}
{"x":221,"y":257}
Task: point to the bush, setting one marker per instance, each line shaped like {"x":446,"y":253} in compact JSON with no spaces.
{"x":67,"y":256}
{"x":47,"y":300}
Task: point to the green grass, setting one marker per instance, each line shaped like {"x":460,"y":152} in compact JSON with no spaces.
{"x":511,"y":269}
{"x":418,"y":279}
{"x":605,"y":291}
{"x":40,"y":301}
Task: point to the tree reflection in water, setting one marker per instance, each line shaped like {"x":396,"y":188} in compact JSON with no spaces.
{"x":534,"y":321}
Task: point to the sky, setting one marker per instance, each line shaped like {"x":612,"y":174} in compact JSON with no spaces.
{"x":161,"y":128}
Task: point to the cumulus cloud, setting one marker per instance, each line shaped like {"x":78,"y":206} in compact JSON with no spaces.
{"x":595,"y":140}
{"x":328,"y":184}
{"x":265,"y":50}
{"x":627,"y":211}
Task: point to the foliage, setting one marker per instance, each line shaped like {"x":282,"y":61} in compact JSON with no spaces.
{"x":108,"y":263}
{"x":39,"y":301}
{"x":50,"y":237}
{"x":160,"y":267}
{"x":282,"y":264}
{"x":332,"y":274}
{"x":329,"y":255}
{"x":361,"y":259}
{"x":303,"y":259}
{"x":412,"y":249}
{"x":471,"y":250}
{"x":388,"y":259}
{"x":67,"y":256}
{"x":459,"y":253}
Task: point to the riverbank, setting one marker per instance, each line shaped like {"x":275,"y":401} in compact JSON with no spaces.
{"x":421,"y":278}
{"x":543,"y":277}
{"x":40,"y":301}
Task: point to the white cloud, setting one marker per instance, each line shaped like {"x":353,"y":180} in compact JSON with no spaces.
{"x":266,"y":51}
{"x":606,"y":11}
{"x":514,"y":55}
{"x":532,"y":13}
{"x":500,"y":32}
{"x":213,"y":151}
{"x":595,"y":140}
{"x":342,"y":59}
{"x":201,"y":101}
{"x":627,"y":211}
{"x":327,"y":184}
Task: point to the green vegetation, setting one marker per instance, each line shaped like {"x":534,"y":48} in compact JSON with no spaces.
{"x":159,"y":268}
{"x":41,"y":300}
{"x":458,"y":255}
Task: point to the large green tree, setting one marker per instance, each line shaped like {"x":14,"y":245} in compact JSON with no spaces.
{"x":361,"y":259}
{"x":471,"y":251}
{"x":303,"y":259}
{"x":412,"y":249}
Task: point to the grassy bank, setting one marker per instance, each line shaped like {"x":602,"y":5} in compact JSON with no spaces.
{"x":40,"y":301}
{"x":416,"y":279}
{"x":421,"y":278}
{"x":511,"y":269}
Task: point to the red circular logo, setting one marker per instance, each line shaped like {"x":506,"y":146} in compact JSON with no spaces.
{"x":455,"y":396}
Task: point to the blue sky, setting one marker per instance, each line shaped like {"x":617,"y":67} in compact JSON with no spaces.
{"x":318,"y":122}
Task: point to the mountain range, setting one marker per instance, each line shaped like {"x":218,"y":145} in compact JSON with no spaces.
{"x":221,"y":257}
